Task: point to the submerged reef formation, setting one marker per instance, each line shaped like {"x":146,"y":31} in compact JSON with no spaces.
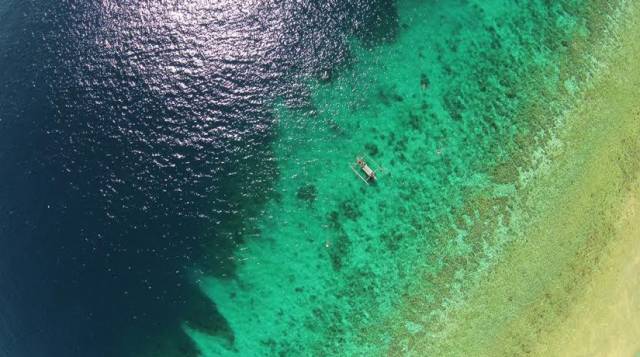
{"x":457,"y":110}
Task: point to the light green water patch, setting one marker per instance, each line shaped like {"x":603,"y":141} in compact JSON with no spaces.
{"x":441,"y":110}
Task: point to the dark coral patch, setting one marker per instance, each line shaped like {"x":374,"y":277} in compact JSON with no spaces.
{"x":414,"y":121}
{"x":307,"y":193}
{"x":339,"y":250}
{"x":334,"y":220}
{"x":372,"y":149}
{"x":350,"y":210}
{"x":424,"y":81}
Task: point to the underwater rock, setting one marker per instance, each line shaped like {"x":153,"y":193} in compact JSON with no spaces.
{"x":325,"y":76}
{"x":372,"y":149}
{"x":307,"y":193}
{"x":334,"y":220}
{"x":388,"y":97}
{"x":424,"y":81}
{"x":414,"y":121}
{"x":350,"y":210}
{"x":339,"y":250}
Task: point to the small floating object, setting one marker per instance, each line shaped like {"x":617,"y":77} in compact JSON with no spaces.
{"x":368,"y":174}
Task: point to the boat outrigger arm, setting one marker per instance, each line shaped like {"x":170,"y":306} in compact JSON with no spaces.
{"x":368,"y":174}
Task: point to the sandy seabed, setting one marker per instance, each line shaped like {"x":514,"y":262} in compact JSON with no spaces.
{"x":571,"y":285}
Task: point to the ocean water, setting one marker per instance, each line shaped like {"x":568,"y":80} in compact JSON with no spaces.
{"x":134,"y":140}
{"x":176,"y":180}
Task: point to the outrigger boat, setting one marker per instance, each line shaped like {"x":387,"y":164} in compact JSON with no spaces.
{"x":369,"y":173}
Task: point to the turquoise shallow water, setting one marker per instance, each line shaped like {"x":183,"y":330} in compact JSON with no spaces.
{"x":448,"y":108}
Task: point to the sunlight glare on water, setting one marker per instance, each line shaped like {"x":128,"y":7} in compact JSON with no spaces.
{"x":139,"y":132}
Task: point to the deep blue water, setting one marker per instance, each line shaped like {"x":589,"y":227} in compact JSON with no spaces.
{"x":134,"y":142}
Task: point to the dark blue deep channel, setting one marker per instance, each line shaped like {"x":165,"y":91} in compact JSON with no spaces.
{"x":134,"y":142}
